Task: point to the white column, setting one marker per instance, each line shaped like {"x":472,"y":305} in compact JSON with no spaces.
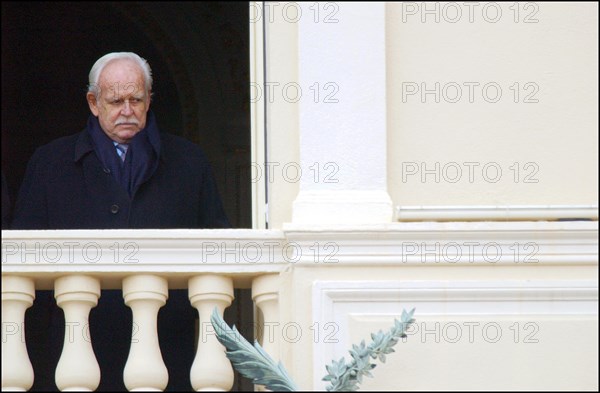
{"x":77,"y":369}
{"x":211,"y":369}
{"x":145,"y":369}
{"x":265,"y":294}
{"x":17,"y":296}
{"x":343,"y":127}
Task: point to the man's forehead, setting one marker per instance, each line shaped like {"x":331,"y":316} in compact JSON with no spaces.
{"x":121,"y":72}
{"x":123,"y":88}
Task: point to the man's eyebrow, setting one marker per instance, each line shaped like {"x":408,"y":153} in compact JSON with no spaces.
{"x":115,"y":97}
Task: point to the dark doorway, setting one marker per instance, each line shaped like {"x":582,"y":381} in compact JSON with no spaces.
{"x":199,"y":54}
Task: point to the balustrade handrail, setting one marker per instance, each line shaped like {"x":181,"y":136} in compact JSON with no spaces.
{"x":115,"y":254}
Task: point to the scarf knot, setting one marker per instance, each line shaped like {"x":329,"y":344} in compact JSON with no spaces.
{"x":141,"y":158}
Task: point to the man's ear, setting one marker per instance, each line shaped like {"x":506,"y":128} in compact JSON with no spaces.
{"x":93,"y":104}
{"x":149,"y":100}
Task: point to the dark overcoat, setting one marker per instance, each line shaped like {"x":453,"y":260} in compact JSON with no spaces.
{"x":67,"y":187}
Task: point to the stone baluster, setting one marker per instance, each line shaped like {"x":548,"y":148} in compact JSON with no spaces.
{"x":211,"y":369}
{"x":77,"y":369}
{"x":145,"y":369}
{"x":17,"y":296}
{"x":265,"y":294}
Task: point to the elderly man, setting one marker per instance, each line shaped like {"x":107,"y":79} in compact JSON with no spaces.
{"x":119,"y":172}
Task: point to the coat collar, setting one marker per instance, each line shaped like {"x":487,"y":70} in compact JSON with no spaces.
{"x":84,"y":143}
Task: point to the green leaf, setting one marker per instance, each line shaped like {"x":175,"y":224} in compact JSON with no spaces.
{"x":251,"y":360}
{"x":346,"y":377}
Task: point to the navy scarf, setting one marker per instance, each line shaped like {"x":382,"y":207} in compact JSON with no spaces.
{"x":141,"y":160}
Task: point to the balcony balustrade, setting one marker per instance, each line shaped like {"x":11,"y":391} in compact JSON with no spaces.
{"x":144,"y":265}
{"x":305,"y":277}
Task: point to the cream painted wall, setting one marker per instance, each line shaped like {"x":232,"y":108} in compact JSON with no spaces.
{"x":540,"y":318}
{"x":529,"y":351}
{"x":546,"y":149}
{"x":554,"y":140}
{"x":509,"y":352}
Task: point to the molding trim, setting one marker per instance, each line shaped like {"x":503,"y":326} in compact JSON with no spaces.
{"x":495,"y":213}
{"x":340,"y":302}
{"x":450,"y":244}
{"x":342,"y":207}
{"x":257,"y":115}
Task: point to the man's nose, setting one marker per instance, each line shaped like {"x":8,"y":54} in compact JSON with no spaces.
{"x":126,"y":109}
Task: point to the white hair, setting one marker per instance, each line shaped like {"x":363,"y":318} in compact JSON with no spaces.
{"x":99,"y":65}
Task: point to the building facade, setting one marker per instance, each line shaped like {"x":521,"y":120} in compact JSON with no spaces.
{"x":436,"y":156}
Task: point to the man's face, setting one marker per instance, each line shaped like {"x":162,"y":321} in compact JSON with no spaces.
{"x":123,"y":102}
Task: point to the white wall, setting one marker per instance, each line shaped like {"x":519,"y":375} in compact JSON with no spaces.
{"x":481,"y":325}
{"x":554,"y":140}
{"x":546,"y":150}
